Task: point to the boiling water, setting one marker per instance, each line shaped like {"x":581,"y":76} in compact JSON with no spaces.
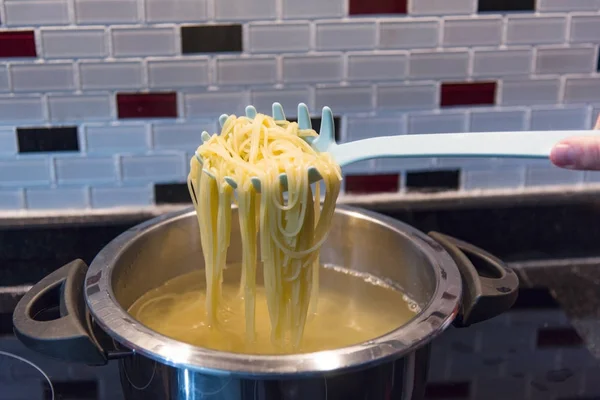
{"x":351,"y":309}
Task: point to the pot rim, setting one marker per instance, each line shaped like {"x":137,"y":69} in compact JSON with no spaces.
{"x":422,"y":328}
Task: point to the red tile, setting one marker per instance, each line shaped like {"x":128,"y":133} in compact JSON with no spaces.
{"x":468,"y":93}
{"x":368,"y":184}
{"x":147,"y":105}
{"x":17,"y":44}
{"x":362,"y":7}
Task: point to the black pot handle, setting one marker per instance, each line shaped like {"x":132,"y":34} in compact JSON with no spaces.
{"x":69,"y":335}
{"x":489,"y":286}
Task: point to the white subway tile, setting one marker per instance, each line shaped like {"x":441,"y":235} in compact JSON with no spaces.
{"x":375,"y":67}
{"x":438,"y":65}
{"x":20,"y":108}
{"x":449,"y":122}
{"x":42,"y":77}
{"x":528,"y":92}
{"x":37,"y":13}
{"x":124,"y":196}
{"x":360,"y":167}
{"x":565,"y":60}
{"x":313,"y":9}
{"x":8,"y":141}
{"x":548,"y":175}
{"x":312,"y":69}
{"x":494,"y":178}
{"x":585,"y":29}
{"x":4,"y":78}
{"x":472,"y":32}
{"x":344,"y":98}
{"x":358,"y":128}
{"x":11,"y":199}
{"x":84,"y":169}
{"x":409,"y":34}
{"x":176,"y":11}
{"x":245,"y":10}
{"x":106,"y":11}
{"x":246,"y":71}
{"x":345,"y":35}
{"x":263,"y":99}
{"x":154,"y":168}
{"x":553,"y":119}
{"x":178,"y":73}
{"x":184,"y":137}
{"x":582,"y":90}
{"x":571,"y":5}
{"x":25,"y":172}
{"x":73,"y":43}
{"x":56,"y":198}
{"x":111,"y":75}
{"x":101,"y":139}
{"x":278,"y":37}
{"x":535,"y":30}
{"x":441,"y":7}
{"x":215,"y":103}
{"x":143,"y":42}
{"x":498,"y":63}
{"x":79,"y":107}
{"x":497,"y":120}
{"x":407,"y":96}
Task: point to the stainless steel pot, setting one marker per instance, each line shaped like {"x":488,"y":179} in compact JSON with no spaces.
{"x":449,"y":279}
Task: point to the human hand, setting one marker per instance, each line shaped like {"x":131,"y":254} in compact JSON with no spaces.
{"x":578,"y":152}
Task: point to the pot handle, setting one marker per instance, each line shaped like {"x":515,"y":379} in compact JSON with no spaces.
{"x":489,"y":286}
{"x":69,"y":335}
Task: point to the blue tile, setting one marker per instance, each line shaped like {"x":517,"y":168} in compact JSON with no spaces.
{"x":85,"y":169}
{"x":25,"y":172}
{"x":104,"y":197}
{"x":8,"y":141}
{"x":11,"y":199}
{"x":104,"y":139}
{"x":56,"y":198}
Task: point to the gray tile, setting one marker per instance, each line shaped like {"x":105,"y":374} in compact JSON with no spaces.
{"x":408,"y":96}
{"x":184,"y":137}
{"x":263,"y":99}
{"x":313,"y":9}
{"x":498,"y":63}
{"x":312,"y":69}
{"x":154,"y":168}
{"x":450,"y":122}
{"x":472,"y":32}
{"x":585,"y":29}
{"x":215,"y":103}
{"x":360,"y":167}
{"x":396,"y":164}
{"x":56,"y":198}
{"x":498,"y":120}
{"x":409,"y":34}
{"x":495,"y":178}
{"x":246,"y":71}
{"x":345,"y":35}
{"x":344,"y":98}
{"x":528,"y":92}
{"x":37,"y":13}
{"x":109,"y":139}
{"x":278,"y":37}
{"x":84,"y":170}
{"x":4,"y":78}
{"x":124,"y":196}
{"x":358,"y":128}
{"x":184,"y":73}
{"x":592,"y":177}
{"x":582,"y":90}
{"x":42,"y":77}
{"x":143,"y":42}
{"x":79,"y":107}
{"x":111,"y":75}
{"x":551,"y":175}
{"x":8,"y":141}
{"x":535,"y":30}
{"x":572,"y":5}
{"x":559,"y":119}
{"x":25,"y":172}
{"x":565,"y":60}
{"x":176,"y":11}
{"x":11,"y":199}
{"x":441,"y":7}
{"x":376,"y":67}
{"x":245,"y":10}
{"x":20,"y":108}
{"x":106,"y":11}
{"x":438,"y":65}
{"x":73,"y":43}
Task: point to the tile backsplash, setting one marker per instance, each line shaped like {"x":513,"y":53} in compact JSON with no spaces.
{"x":102,"y":102}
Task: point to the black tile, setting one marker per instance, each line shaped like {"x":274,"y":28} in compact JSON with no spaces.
{"x":6,"y":326}
{"x":535,"y":298}
{"x":316,"y":125}
{"x":171,"y":193}
{"x":558,"y":337}
{"x":211,"y":39}
{"x":72,"y":390}
{"x":41,"y":139}
{"x":505,"y":5}
{"x":598,"y":64}
{"x":447,"y":390}
{"x":432,"y":181}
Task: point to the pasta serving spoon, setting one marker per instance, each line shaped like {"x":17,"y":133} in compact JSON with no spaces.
{"x":526,"y":144}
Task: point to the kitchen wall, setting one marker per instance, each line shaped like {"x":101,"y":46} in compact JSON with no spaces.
{"x":102,"y":101}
